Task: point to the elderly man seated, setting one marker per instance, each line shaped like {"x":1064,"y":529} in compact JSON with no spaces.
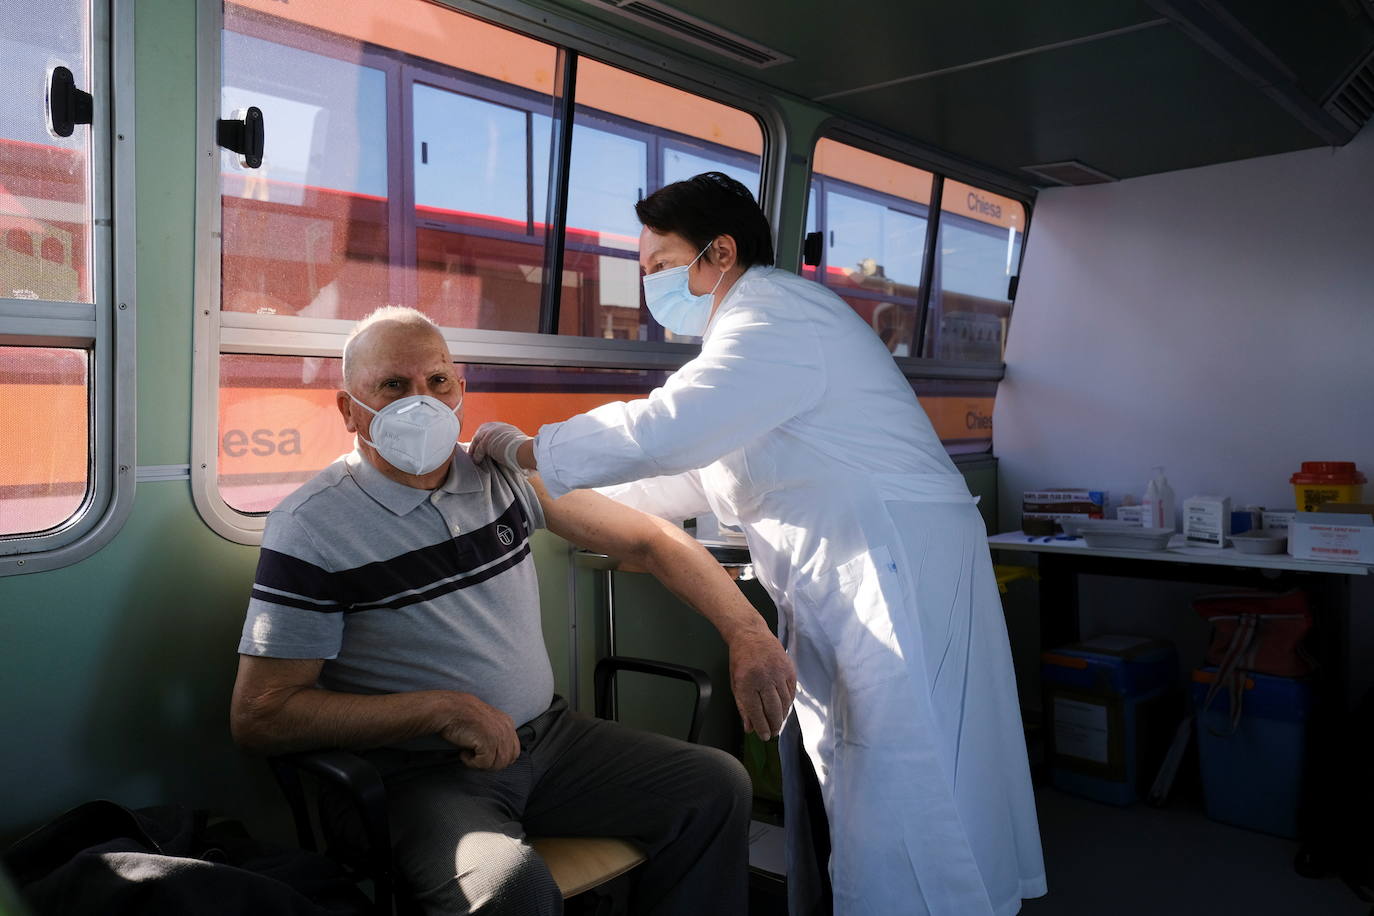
{"x":395,"y":610}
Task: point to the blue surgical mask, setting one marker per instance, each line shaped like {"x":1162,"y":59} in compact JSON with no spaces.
{"x":672,"y":302}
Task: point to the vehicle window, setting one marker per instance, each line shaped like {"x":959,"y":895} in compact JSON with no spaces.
{"x":979,"y":251}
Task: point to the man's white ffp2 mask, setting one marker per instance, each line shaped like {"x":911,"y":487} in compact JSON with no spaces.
{"x":414,"y":434}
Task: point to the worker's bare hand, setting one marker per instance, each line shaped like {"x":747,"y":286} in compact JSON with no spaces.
{"x":763,"y":680}
{"x":484,"y":735}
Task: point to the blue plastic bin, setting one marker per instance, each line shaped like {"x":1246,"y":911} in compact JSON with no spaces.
{"x":1108,"y":714}
{"x":1253,"y":778}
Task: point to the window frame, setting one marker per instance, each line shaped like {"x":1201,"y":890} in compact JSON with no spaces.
{"x":217,"y":332}
{"x":105,"y":327}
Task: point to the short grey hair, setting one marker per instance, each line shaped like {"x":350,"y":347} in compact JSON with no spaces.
{"x":399,"y":314}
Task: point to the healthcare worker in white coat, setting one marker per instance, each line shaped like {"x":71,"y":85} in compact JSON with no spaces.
{"x":795,"y":424}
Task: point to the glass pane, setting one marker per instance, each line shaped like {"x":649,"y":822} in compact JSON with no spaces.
{"x":608,"y":169}
{"x":405,"y":162}
{"x":631,"y":136}
{"x":471,"y":159}
{"x":530,"y":396}
{"x":979,"y":250}
{"x":474,"y":281}
{"x":679,"y":164}
{"x":961,"y":412}
{"x":871,"y":242}
{"x":481,"y":163}
{"x":45,"y":217}
{"x":872,"y":212}
{"x":45,"y":462}
{"x":481,"y":179}
{"x":894,"y":319}
{"x":307,"y":233}
{"x":279,"y":424}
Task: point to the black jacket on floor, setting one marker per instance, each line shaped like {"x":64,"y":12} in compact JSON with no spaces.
{"x":103,"y":858}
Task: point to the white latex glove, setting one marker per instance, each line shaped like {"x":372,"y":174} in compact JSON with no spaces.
{"x":499,"y":442}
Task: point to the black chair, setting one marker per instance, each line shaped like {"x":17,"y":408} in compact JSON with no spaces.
{"x":578,"y":864}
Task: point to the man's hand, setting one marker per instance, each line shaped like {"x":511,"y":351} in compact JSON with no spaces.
{"x":500,"y":442}
{"x":763,"y":680}
{"x":484,"y":734}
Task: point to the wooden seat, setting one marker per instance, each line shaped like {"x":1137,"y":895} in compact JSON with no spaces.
{"x":580,"y":863}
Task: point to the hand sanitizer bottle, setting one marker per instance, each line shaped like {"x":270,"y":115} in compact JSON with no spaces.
{"x":1158,"y":502}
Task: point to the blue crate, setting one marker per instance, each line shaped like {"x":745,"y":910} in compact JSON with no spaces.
{"x":1108,"y":714}
{"x":1253,"y":778}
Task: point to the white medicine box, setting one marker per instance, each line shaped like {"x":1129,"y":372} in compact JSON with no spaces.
{"x":1206,"y":521}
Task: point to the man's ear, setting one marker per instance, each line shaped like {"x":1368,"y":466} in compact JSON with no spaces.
{"x":345,"y":405}
{"x":724,"y":252}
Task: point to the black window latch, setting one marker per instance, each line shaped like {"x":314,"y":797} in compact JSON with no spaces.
{"x":243,"y":136}
{"x":67,"y":105}
{"x":811,"y":249}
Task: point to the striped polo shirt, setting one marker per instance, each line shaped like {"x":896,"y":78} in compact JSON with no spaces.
{"x":400,"y":589}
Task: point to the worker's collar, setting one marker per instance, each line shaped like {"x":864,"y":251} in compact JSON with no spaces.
{"x":463,"y":477}
{"x":732,"y":295}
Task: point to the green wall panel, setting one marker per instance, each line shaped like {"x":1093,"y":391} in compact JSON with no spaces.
{"x":118,"y":669}
{"x":165,"y":118}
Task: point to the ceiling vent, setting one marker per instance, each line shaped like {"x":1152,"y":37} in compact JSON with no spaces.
{"x":1071,"y":172}
{"x":664,"y":18}
{"x":1353,"y":101}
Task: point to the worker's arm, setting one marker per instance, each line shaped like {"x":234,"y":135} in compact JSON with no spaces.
{"x":755,"y":373}
{"x":276,"y":708}
{"x":761,"y":674}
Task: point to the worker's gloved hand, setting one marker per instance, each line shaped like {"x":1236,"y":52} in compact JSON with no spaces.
{"x":500,"y":442}
{"x":763,"y":680}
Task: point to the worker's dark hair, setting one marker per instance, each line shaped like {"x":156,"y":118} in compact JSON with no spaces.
{"x":706,"y":206}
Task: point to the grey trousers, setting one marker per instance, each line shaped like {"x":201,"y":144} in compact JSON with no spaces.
{"x":459,"y":834}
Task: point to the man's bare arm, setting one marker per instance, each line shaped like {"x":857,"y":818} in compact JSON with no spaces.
{"x":761,"y":675}
{"x":276,"y":708}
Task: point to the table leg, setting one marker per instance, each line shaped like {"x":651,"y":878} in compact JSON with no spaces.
{"x":610,"y":640}
{"x":1059,"y":625}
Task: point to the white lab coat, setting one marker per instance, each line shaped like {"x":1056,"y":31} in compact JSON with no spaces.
{"x":795,"y":424}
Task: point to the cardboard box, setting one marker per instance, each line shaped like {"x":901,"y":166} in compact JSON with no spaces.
{"x":1333,"y":535}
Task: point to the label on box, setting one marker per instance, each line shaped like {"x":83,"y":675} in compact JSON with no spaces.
{"x":1277,"y":519}
{"x":1334,"y":541}
{"x":1063,"y":496}
{"x":1332,"y":536}
{"x":1080,"y":730}
{"x":1059,"y":516}
{"x":1090,"y":502}
{"x":1204,"y":526}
